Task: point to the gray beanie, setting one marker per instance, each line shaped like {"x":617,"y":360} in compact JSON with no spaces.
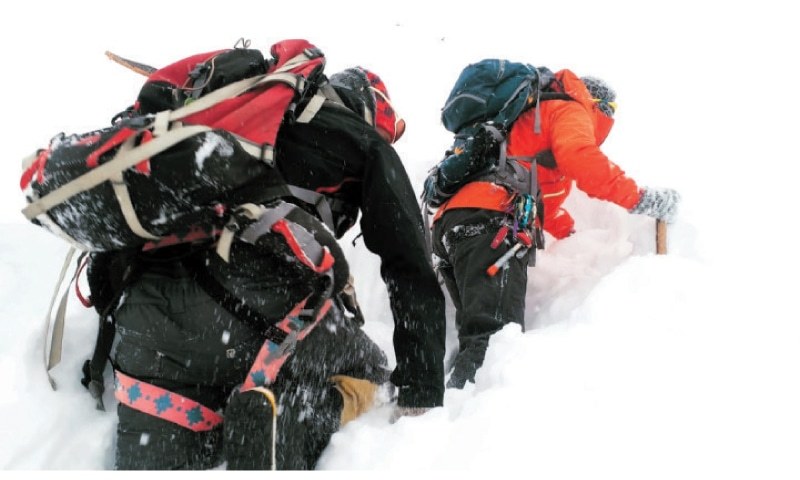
{"x":355,"y":79}
{"x":600,"y":90}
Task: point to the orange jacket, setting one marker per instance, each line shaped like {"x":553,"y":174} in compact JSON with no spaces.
{"x":573,"y":131}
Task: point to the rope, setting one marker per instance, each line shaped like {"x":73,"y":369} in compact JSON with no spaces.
{"x":271,"y":399}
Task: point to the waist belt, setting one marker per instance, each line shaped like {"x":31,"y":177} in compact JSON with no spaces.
{"x":172,"y":407}
{"x":158,"y":402}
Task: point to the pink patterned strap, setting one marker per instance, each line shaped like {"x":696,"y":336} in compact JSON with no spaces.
{"x":164,"y":404}
{"x":272,"y":356}
{"x":161,"y":403}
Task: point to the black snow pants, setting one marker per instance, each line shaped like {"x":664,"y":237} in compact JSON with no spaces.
{"x":172,"y":334}
{"x":484,"y":304}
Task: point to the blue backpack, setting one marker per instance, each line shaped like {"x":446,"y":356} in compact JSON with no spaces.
{"x":485,"y":101}
{"x":492,"y":90}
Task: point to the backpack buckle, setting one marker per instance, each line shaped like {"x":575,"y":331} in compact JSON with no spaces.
{"x":313,"y":52}
{"x":267,"y":154}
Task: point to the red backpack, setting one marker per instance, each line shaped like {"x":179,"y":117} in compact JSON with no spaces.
{"x":198,"y":142}
{"x":192,"y":159}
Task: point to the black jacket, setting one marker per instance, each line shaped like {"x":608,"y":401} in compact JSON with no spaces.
{"x":341,"y":155}
{"x":339,"y":151}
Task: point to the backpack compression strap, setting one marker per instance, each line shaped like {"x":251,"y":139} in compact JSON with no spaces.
{"x":323,"y":204}
{"x":52,"y":352}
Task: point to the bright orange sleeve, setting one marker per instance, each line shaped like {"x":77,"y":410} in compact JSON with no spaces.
{"x":574,"y":146}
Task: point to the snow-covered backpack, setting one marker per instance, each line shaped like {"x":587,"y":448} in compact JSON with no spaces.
{"x":198,"y":142}
{"x":192,"y":160}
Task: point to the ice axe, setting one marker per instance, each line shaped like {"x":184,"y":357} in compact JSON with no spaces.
{"x":138,"y":67}
{"x":661,"y":237}
{"x":523,"y":241}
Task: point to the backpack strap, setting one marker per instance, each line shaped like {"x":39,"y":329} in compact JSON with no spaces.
{"x":509,"y":172}
{"x":275,"y":220}
{"x":52,"y":352}
{"x":124,"y":199}
{"x":258,"y":322}
{"x":326,"y":95}
{"x":321,"y":203}
{"x":542,"y":96}
{"x":295,"y":326}
{"x":94,"y":368}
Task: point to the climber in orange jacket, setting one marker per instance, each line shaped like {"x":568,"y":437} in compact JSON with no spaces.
{"x":465,"y":225}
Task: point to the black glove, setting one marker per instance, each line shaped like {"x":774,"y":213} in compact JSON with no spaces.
{"x":659,"y":203}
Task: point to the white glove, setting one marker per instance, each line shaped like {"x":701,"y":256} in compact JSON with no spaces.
{"x":659,"y":203}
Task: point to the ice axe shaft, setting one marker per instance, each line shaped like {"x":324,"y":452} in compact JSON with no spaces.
{"x":496,"y":266}
{"x":661,"y":237}
{"x":138,"y":67}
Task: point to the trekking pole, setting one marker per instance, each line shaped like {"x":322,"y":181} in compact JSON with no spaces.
{"x":661,"y":237}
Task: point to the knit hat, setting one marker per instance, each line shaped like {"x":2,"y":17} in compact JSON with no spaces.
{"x":355,"y":80}
{"x":603,"y":94}
{"x":376,"y":99}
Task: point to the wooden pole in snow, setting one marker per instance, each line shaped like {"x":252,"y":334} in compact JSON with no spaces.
{"x":661,"y":237}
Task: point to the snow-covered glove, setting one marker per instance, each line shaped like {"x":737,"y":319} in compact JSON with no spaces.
{"x":406,"y":412}
{"x":659,"y":203}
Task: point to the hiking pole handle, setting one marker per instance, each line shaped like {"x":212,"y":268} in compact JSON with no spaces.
{"x":496,"y":266}
{"x":661,"y":237}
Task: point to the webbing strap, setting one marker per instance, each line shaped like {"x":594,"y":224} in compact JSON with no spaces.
{"x":52,"y":352}
{"x":126,"y":206}
{"x":326,"y":94}
{"x":124,"y":200}
{"x":312,"y":108}
{"x":296,"y":60}
{"x":233,"y":90}
{"x":273,"y":220}
{"x":265,"y":219}
{"x":318,"y":200}
{"x":273,"y":355}
{"x":172,"y":407}
{"x":166,"y":405}
{"x":248,"y":210}
{"x":265,"y":152}
{"x":123,"y":160}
